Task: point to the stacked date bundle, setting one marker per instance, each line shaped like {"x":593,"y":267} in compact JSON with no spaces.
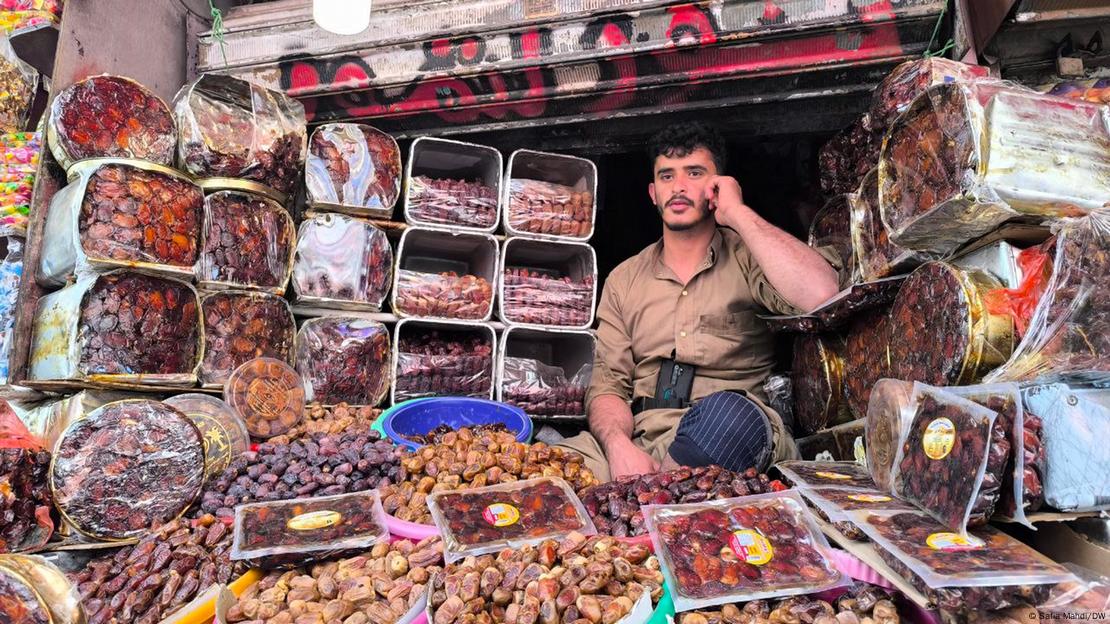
{"x":448,"y":363}
{"x":536,"y":298}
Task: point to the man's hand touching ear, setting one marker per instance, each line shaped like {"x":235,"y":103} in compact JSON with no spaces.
{"x":726,"y":200}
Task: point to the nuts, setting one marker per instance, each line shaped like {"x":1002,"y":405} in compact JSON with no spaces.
{"x":452,"y":363}
{"x":344,"y":360}
{"x":126,"y":467}
{"x":445,"y":295}
{"x":353,"y":166}
{"x":546,"y":208}
{"x":343,"y":260}
{"x":25,"y":500}
{"x":248,"y":242}
{"x":452,"y":202}
{"x":19,"y":82}
{"x":538,"y":298}
{"x":240,"y":326}
{"x":268,"y":394}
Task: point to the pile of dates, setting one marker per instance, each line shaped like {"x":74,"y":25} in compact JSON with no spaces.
{"x":440,"y":433}
{"x":248,"y":242}
{"x":25,"y":501}
{"x":577,"y":580}
{"x":537,"y":298}
{"x":378,"y":587}
{"x":863,"y":604}
{"x":943,"y":478}
{"x":435,"y":363}
{"x":339,"y":418}
{"x":240,"y":326}
{"x":615,"y":506}
{"x":354,"y":166}
{"x":342,"y":261}
{"x":130,"y":214}
{"x":315,"y":465}
{"x":468,"y":460}
{"x":847,"y":157}
{"x":546,"y":208}
{"x":445,"y":295}
{"x":344,"y":360}
{"x":133,"y":323}
{"x":452,"y":202}
{"x":112,"y":117}
{"x":167,"y":569}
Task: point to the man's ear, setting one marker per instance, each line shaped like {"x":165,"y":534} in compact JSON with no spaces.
{"x":651,"y":192}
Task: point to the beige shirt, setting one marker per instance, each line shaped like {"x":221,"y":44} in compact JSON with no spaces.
{"x":645,"y":312}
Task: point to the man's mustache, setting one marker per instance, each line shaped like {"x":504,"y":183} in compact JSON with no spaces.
{"x":680,"y":199}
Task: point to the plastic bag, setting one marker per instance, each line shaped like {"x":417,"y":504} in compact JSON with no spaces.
{"x":779,"y":389}
{"x":876,"y":256}
{"x":248,"y":243}
{"x":823,"y":473}
{"x":1069,"y":334}
{"x":944,"y":456}
{"x":447,"y":363}
{"x":110,"y":117}
{"x":910,"y":79}
{"x":344,"y":360}
{"x":1076,"y":464}
{"x":19,"y":160}
{"x":122,"y":215}
{"x":889,"y":414}
{"x":240,"y":326}
{"x":353,"y":168}
{"x":11,"y":274}
{"x":230,"y":128}
{"x":740,"y":549}
{"x":268,"y":394}
{"x":342,"y":262}
{"x":25,"y":500}
{"x":832,"y":226}
{"x":1088,"y":593}
{"x":126,"y":467}
{"x":539,"y":207}
{"x":508,"y":515}
{"x":1020,"y":303}
{"x":297,"y":532}
{"x":542,"y":390}
{"x":443,"y":201}
{"x":818,"y":374}
{"x":832,"y":504}
{"x":848,"y":156}
{"x":443,"y":295}
{"x":984,"y":571}
{"x":537,"y":298}
{"x":18,"y":82}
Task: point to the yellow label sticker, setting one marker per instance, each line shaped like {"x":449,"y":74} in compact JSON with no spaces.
{"x":836,"y":476}
{"x":314,"y":520}
{"x":939,"y":438}
{"x":750,"y":546}
{"x":953,"y":541}
{"x":501,"y":514}
{"x":869,"y":498}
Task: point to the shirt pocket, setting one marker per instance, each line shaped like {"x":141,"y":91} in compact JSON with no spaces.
{"x":724,"y":340}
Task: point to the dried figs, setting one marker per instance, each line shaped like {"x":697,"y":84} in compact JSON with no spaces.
{"x":538,"y":207}
{"x":342,"y":262}
{"x":240,"y":326}
{"x":818,"y":374}
{"x":443,"y":363}
{"x":248,"y":242}
{"x":353,"y":167}
{"x":126,"y":467}
{"x":24,"y":499}
{"x":110,"y":117}
{"x":866,"y":358}
{"x":223,"y":430}
{"x":268,"y":394}
{"x":442,"y":201}
{"x":538,"y":298}
{"x":344,"y":360}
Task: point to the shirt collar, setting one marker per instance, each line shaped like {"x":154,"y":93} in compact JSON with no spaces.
{"x":662,"y":271}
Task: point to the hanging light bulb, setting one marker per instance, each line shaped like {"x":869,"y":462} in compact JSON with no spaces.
{"x":342,"y":17}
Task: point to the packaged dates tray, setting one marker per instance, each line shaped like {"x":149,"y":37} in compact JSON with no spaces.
{"x":341,"y":262}
{"x":240,"y":326}
{"x":547,"y":284}
{"x":550,"y":196}
{"x":445,"y":275}
{"x":545,"y":372}
{"x":353,"y":169}
{"x":433,"y":358}
{"x":248,"y":242}
{"x":453,"y":184}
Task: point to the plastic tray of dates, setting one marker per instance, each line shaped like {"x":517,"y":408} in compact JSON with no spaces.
{"x":353,"y":168}
{"x":122,"y":214}
{"x":248,"y":243}
{"x":550,"y":195}
{"x":862,"y":603}
{"x":268,"y":394}
{"x":126,"y":467}
{"x":832,"y":503}
{"x":985,"y":570}
{"x":818,"y":473}
{"x":740,"y":549}
{"x":507,"y":515}
{"x":303,"y":530}
{"x":442,"y":360}
{"x":543,"y":391}
{"x":446,"y":275}
{"x":240,"y":326}
{"x":344,"y":360}
{"x":110,"y":117}
{"x":453,"y":184}
{"x":342,"y":262}
{"x":943,"y":460}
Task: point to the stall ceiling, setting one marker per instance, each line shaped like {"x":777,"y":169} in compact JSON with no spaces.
{"x":450,"y":66}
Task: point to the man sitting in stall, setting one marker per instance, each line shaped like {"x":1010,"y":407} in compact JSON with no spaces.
{"x":681,"y":355}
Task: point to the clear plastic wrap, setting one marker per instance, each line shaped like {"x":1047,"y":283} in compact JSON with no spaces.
{"x":300,"y":531}
{"x":910,"y":79}
{"x":25,"y":500}
{"x":539,"y":207}
{"x":1074,"y":461}
{"x":1069,"y":333}
{"x":110,"y":117}
{"x":122,"y":326}
{"x":221,"y":427}
{"x":11,"y":274}
{"x":344,"y":360}
{"x":353,"y":168}
{"x":443,"y":201}
{"x":230,"y":128}
{"x":18,"y":82}
{"x":818,"y":374}
{"x":848,"y":156}
{"x":542,"y":390}
{"x":1088,"y":593}
{"x":268,"y":394}
{"x":342,"y":262}
{"x":126,"y":467}
{"x":841,"y":309}
{"x":443,"y":362}
{"x":779,"y":389}
{"x":984,"y":571}
{"x":58,"y":594}
{"x":965,"y":158}
{"x":509,"y":515}
{"x":876,"y":256}
{"x":1034,"y":265}
{"x":454,"y":184}
{"x":820,"y":473}
{"x":889,"y":414}
{"x":21,"y":603}
{"x":941,"y":332}
{"x":832,"y":226}
{"x":740,"y":549}
{"x":19,"y":160}
{"x":951,"y":458}
{"x":538,"y":298}
{"x":443,"y":295}
{"x":240,"y":326}
{"x":832,"y":504}
{"x":122,"y":214}
{"x":248,"y":243}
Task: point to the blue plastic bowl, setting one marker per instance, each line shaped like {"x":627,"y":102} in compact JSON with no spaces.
{"x":420,"y":416}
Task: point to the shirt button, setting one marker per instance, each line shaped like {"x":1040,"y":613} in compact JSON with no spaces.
{"x":684,"y":293}
{"x":683,"y":334}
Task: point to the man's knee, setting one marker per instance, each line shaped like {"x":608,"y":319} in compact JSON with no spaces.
{"x":724,"y":428}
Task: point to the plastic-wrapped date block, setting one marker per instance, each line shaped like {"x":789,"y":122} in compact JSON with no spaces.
{"x":453,"y":184}
{"x":983,"y":571}
{"x":443,"y":361}
{"x":127,"y":467}
{"x":222,"y":428}
{"x":443,"y":295}
{"x":268,"y":394}
{"x":230,"y":128}
{"x":240,"y":326}
{"x":844,"y":308}
{"x":24,"y":497}
{"x":825,"y":473}
{"x":353,"y":168}
{"x":344,"y":360}
{"x":542,"y":390}
{"x":248,"y":243}
{"x":876,"y":255}
{"x":848,"y":156}
{"x":832,"y":503}
{"x":442,"y":201}
{"x":818,"y":374}
{"x":911,"y":79}
{"x":57,"y":596}
{"x":940,"y":330}
{"x":866,"y":357}
{"x":122,"y":214}
{"x":303,"y":530}
{"x":537,"y":298}
{"x":509,"y":515}
{"x":740,"y":549}
{"x":832,"y":226}
{"x":550,"y":195}
{"x":110,"y":117}
{"x":889,"y":413}
{"x":951,"y":458}
{"x":20,"y":603}
{"x":342,"y":262}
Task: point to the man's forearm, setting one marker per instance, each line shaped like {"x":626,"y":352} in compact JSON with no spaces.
{"x":610,"y":420}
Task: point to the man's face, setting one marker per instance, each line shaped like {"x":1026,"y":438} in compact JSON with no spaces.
{"x":679,"y":189}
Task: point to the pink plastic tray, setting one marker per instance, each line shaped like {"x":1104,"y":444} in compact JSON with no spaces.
{"x":849,"y":564}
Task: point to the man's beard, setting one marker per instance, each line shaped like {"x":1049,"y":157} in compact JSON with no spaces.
{"x":702,"y":207}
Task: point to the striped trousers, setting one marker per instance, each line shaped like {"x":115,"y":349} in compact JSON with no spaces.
{"x":724,"y":428}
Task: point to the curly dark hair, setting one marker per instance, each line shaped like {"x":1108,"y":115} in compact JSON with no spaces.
{"x":678,"y":140}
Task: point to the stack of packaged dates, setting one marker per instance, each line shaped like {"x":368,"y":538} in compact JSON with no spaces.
{"x":545,"y":372}
{"x":435,"y":358}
